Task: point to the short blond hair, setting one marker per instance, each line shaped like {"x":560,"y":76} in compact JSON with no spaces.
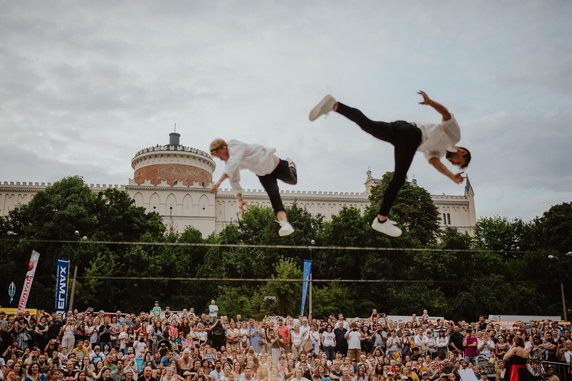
{"x":217,"y":144}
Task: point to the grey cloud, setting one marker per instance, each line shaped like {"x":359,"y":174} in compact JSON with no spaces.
{"x":86,"y":85}
{"x":38,"y":168}
{"x":525,"y":150}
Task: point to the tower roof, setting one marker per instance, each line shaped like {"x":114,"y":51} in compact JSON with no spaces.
{"x":468,"y":187}
{"x":174,"y":145}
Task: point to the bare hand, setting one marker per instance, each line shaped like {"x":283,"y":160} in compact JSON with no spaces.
{"x":458,"y":178}
{"x":214,"y":187}
{"x":426,"y":99}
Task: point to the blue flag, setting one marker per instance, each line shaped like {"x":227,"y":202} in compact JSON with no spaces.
{"x":307,"y":272}
{"x":139,"y":364}
{"x":62,"y":280}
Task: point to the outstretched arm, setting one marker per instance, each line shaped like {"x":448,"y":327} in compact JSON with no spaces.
{"x":437,"y":106}
{"x":457,"y":177}
{"x":241,"y":203}
{"x":216,"y":185}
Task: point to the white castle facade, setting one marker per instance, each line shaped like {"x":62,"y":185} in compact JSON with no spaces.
{"x":174,"y":180}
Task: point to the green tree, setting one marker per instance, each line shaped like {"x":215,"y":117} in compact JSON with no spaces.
{"x":556,"y":225}
{"x":118,"y":219}
{"x":413,"y":209}
{"x":452,"y":239}
{"x":493,"y":295}
{"x":239,"y":299}
{"x":407,"y":298}
{"x":258,"y":226}
{"x":332,"y":299}
{"x":287,"y":294}
{"x":55,"y":214}
{"x":347,"y":228}
{"x":498,"y":233}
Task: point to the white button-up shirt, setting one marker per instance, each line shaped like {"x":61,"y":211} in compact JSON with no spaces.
{"x":257,"y":158}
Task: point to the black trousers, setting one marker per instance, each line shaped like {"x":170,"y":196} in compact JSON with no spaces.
{"x":404,"y":136}
{"x":269,"y":182}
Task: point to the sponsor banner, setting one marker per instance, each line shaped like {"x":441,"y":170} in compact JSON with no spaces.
{"x":14,"y":311}
{"x":28,"y":280}
{"x":307,"y":272}
{"x":62,"y":281}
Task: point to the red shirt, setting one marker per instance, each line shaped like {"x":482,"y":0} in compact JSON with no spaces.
{"x":471,"y":351}
{"x":284,"y":333}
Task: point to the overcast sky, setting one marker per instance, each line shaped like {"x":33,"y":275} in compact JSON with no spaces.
{"x":84,"y":85}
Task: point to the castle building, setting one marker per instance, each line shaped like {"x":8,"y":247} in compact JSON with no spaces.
{"x":174,"y":181}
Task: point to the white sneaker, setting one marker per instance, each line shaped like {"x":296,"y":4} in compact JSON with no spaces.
{"x":285,"y":229}
{"x":325,"y":106}
{"x":388,"y":227}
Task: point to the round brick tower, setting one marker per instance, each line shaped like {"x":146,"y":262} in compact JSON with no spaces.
{"x":173,"y":163}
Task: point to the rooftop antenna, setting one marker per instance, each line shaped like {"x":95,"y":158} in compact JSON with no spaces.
{"x":175,"y":127}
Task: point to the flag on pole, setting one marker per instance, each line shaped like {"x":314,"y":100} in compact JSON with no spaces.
{"x":307,"y":272}
{"x":28,"y":280}
{"x":62,"y":271}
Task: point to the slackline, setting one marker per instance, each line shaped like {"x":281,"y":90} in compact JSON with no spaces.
{"x":281,"y":247}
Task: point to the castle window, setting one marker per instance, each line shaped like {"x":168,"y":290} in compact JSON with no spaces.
{"x":446,"y":219}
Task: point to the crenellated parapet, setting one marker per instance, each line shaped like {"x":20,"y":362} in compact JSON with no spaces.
{"x":31,"y":186}
{"x":102,"y":187}
{"x":173,"y":147}
{"x":297,"y":192}
{"x":27,"y":184}
{"x":447,"y":197}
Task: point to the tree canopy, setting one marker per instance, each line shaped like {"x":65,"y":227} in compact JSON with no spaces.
{"x":508,"y":266}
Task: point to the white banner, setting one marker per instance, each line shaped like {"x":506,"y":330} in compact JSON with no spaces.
{"x":28,"y":280}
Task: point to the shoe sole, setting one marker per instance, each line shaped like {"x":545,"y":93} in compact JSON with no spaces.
{"x":286,"y":233}
{"x":317,"y":110}
{"x":388,"y":234}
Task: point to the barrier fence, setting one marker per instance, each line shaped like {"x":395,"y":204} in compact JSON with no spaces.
{"x":561,"y":369}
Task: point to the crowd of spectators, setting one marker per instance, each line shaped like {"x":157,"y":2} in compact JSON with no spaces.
{"x":161,"y":345}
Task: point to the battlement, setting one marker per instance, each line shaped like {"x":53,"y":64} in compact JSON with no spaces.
{"x":105,"y":186}
{"x":172,"y":148}
{"x":447,"y":197}
{"x":298,"y":192}
{"x":26,"y":184}
{"x":42,"y":185}
{"x":164,"y":184}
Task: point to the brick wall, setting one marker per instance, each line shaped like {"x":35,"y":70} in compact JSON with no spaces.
{"x":172,"y":173}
